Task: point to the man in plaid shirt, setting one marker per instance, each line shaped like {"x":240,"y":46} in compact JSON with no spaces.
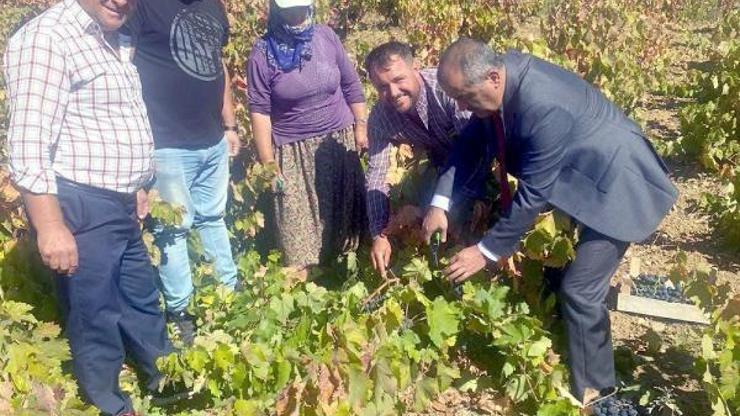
{"x":81,"y":152}
{"x":413,"y":110}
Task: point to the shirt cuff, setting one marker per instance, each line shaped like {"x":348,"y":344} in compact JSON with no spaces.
{"x":442,"y":202}
{"x":484,"y":250}
{"x":36,"y":182}
{"x":377,"y":230}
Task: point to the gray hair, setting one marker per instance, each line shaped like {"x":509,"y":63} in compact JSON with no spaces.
{"x":473,"y":58}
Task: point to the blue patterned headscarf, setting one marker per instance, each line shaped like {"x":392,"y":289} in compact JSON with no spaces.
{"x":287,"y":46}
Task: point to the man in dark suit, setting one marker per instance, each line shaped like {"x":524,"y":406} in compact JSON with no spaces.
{"x":570,"y":148}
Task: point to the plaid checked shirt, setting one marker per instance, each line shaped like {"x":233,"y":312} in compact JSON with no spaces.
{"x":76,"y":108}
{"x":439,"y":121}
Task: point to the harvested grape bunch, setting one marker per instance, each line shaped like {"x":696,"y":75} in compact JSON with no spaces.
{"x":655,"y":287}
{"x":615,"y":407}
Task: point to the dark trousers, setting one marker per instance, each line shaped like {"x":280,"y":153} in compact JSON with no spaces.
{"x":111,"y":303}
{"x":582,"y":288}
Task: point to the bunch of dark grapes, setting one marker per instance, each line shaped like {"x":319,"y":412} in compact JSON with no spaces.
{"x":654,"y":287}
{"x":375,"y":303}
{"x":615,"y":407}
{"x":457,"y":290}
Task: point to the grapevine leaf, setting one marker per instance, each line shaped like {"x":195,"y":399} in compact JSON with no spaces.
{"x":443,"y":319}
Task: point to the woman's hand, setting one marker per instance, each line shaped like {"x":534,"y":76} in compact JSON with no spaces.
{"x":361,"y":142}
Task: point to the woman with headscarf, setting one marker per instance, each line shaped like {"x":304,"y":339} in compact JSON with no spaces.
{"x":308,"y":115}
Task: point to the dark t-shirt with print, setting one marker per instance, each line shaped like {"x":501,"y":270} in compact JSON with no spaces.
{"x":178,"y":55}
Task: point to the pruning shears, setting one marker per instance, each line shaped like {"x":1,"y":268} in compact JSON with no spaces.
{"x":279,"y":185}
{"x":434,"y":244}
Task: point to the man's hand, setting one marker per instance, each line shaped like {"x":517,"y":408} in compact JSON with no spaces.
{"x":142,"y":204}
{"x":58,"y":248}
{"x":436,"y":219}
{"x":233,"y":142}
{"x":465,"y":264}
{"x":381,"y":254}
{"x":57,"y":245}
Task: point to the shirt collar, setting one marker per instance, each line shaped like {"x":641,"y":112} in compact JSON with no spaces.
{"x":77,"y":14}
{"x":421,"y":103}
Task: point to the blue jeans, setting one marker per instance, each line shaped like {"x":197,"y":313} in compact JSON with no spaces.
{"x":198,"y":181}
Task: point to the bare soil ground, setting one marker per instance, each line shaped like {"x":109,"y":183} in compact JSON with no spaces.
{"x":652,"y":352}
{"x":686,"y":229}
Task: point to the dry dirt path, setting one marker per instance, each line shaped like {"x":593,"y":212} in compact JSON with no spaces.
{"x":654,"y":352}
{"x":669,"y":363}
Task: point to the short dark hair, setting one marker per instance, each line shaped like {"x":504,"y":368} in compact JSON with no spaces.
{"x":382,"y":54}
{"x":472,"y":57}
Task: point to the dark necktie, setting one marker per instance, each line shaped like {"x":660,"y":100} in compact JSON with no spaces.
{"x":498,"y":123}
{"x":416,"y":118}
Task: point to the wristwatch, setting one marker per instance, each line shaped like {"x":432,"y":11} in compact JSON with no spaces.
{"x":231,"y":128}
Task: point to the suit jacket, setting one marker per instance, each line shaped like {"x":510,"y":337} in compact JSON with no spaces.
{"x":570,"y":147}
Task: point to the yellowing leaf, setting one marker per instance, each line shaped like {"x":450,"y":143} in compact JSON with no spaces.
{"x":546,"y":223}
{"x":539,"y":348}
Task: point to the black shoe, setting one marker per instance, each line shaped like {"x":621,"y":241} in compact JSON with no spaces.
{"x":169,"y":393}
{"x":185,"y":325}
{"x":170,"y":396}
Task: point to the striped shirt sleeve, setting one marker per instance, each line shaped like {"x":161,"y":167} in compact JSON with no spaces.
{"x":377,"y":184}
